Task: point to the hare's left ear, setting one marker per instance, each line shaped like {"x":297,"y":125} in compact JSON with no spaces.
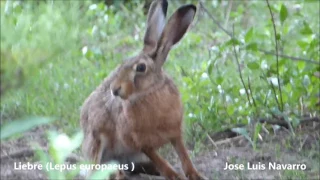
{"x":173,"y":32}
{"x":155,"y":24}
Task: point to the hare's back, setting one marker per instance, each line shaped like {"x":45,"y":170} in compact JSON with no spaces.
{"x":98,"y":106}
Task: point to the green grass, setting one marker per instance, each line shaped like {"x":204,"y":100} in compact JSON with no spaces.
{"x":54,"y":54}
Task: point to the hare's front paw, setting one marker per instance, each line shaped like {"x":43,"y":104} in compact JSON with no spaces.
{"x":175,"y":176}
{"x":196,"y":176}
{"x":178,"y":177}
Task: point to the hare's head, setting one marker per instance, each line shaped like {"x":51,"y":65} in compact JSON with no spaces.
{"x":140,"y":73}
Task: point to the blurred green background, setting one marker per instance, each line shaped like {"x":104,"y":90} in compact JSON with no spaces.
{"x":55,"y":53}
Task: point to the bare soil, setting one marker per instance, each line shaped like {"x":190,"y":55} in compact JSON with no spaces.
{"x":281,"y":147}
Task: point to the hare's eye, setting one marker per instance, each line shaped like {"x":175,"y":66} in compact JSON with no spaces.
{"x":141,"y":67}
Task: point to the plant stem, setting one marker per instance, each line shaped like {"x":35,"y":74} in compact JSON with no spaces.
{"x":277,"y":57}
{"x":239,"y":69}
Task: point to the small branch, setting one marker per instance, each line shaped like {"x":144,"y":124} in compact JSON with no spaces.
{"x":273,"y":89}
{"x":283,"y":123}
{"x":228,"y":13}
{"x":214,"y":20}
{"x":303,"y":142}
{"x":277,"y":57}
{"x":289,"y":57}
{"x":212,"y":141}
{"x":266,"y":100}
{"x":239,"y":69}
{"x":253,"y":100}
{"x":261,"y":50}
{"x":231,"y":141}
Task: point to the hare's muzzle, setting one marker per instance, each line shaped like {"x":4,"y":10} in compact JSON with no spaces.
{"x":123,"y":90}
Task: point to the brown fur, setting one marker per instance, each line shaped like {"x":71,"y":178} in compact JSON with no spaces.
{"x":133,"y":113}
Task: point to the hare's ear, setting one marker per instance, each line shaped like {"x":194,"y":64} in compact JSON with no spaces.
{"x":155,"y":24}
{"x":174,"y":31}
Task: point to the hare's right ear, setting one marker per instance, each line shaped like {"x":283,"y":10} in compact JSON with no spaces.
{"x":176,"y":27}
{"x":155,"y":24}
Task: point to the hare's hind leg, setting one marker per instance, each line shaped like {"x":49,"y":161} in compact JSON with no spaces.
{"x":100,"y":154}
{"x":163,"y":166}
{"x":187,"y":165}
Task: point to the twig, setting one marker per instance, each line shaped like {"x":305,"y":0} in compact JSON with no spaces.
{"x":211,"y":140}
{"x":228,"y":13}
{"x":289,"y":57}
{"x":303,"y":142}
{"x":208,"y":136}
{"x":253,"y":100}
{"x":266,"y":100}
{"x":283,"y":123}
{"x":261,"y":50}
{"x":277,"y":57}
{"x":239,"y":69}
{"x":273,"y":89}
{"x":213,"y":19}
{"x":230,"y":140}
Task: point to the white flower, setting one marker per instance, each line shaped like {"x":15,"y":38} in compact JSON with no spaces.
{"x":93,"y":7}
{"x":204,"y":75}
{"x":242,"y":91}
{"x":84,"y":50}
{"x":62,"y":141}
{"x":273,"y":80}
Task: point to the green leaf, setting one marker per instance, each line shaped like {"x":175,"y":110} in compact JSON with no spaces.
{"x":243,"y":132}
{"x":302,"y":44}
{"x":19,"y":126}
{"x":62,"y":145}
{"x":306,"y":30}
{"x":306,"y":81}
{"x":283,"y":13}
{"x":44,"y":158}
{"x":219,"y":79}
{"x":248,"y":35}
{"x":232,"y":42}
{"x":295,"y":121}
{"x":285,"y":97}
{"x":253,"y":65}
{"x":210,"y":67}
{"x":256,"y":134}
{"x":276,"y":111}
{"x":301,"y":65}
{"x":282,"y":62}
{"x":230,"y":109}
{"x":252,"y":46}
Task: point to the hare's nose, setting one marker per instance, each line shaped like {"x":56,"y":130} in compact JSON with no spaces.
{"x":116,"y":91}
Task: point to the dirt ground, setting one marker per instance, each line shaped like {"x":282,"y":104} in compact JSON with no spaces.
{"x":281,"y":147}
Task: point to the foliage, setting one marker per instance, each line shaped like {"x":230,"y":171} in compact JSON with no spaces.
{"x":54,"y":54}
{"x":19,"y":126}
{"x":60,"y":147}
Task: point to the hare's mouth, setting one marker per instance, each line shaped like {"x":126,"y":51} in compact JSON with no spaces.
{"x":119,"y":94}
{"x":123,"y":96}
{"x":123,"y":90}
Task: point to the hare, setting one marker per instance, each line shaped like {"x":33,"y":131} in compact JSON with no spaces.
{"x":137,"y":109}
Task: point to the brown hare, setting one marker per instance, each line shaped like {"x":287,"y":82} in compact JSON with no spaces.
{"x":137,"y":109}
